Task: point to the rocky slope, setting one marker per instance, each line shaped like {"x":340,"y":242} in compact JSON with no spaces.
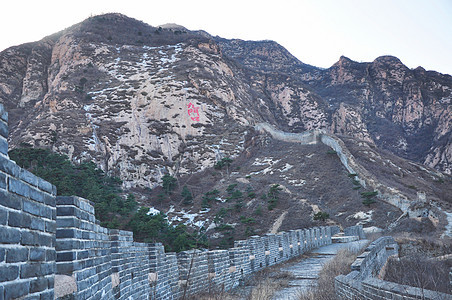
{"x":142,"y":101}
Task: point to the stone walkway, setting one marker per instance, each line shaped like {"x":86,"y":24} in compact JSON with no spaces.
{"x":306,"y":272}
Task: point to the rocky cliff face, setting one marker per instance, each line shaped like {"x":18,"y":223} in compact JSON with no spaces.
{"x":142,"y":100}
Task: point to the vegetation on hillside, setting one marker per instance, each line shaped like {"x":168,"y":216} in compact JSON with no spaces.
{"x":113,"y":209}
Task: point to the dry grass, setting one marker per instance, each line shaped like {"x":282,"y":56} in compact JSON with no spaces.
{"x":324,"y":290}
{"x":264,"y":290}
{"x":420,"y":271}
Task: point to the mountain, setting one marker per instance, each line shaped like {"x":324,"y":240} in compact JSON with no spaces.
{"x":143,"y":101}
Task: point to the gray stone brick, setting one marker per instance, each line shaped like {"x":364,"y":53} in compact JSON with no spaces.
{"x":66,"y":256}
{"x":3,"y":146}
{"x":67,"y":268}
{"x":14,"y":255}
{"x":19,"y":219}
{"x":30,"y":238}
{"x":37,"y":195}
{"x":4,"y":114}
{"x":16,"y":289}
{"x":4,"y":129}
{"x":2,"y":254}
{"x":32,"y":207}
{"x":45,"y":186}
{"x":50,"y":255}
{"x":50,"y":226}
{"x":3,"y":215}
{"x":19,"y":187}
{"x":30,"y":270}
{"x":2,"y":292}
{"x":66,"y":210}
{"x":11,"y":201}
{"x":2,"y":181}
{"x":37,"y":224}
{"x":8,"y":166}
{"x":65,"y":233}
{"x":49,"y":200}
{"x":28,"y":177}
{"x":10,"y":236}
{"x":38,"y":285}
{"x":8,"y":273}
{"x":37,"y":254}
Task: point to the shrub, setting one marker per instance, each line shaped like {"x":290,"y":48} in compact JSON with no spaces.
{"x":321,"y":216}
{"x":368,"y":197}
{"x":273,"y":196}
{"x":84,"y":180}
{"x":225,"y":161}
{"x":247,"y":220}
{"x":168,"y":183}
{"x":186,"y":195}
{"x":209,"y":197}
{"x":155,"y":228}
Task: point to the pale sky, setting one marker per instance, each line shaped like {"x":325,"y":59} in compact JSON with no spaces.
{"x":318,"y":32}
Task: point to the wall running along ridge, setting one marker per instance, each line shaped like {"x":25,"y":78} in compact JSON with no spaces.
{"x":389,"y":195}
{"x":363,"y":281}
{"x":54,"y":248}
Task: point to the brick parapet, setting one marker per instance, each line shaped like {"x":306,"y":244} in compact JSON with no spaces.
{"x":363,"y":282}
{"x":27,"y":228}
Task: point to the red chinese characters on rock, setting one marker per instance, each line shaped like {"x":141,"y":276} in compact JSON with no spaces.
{"x":193,"y":112}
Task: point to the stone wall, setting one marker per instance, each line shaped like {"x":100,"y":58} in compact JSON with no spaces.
{"x":363,"y":281}
{"x":27,"y":228}
{"x":94,"y":262}
{"x":388,"y":194}
{"x":356,"y":230}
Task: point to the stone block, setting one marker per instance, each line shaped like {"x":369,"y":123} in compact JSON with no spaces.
{"x":11,"y":201}
{"x":66,"y":211}
{"x":3,"y":113}
{"x":19,"y":254}
{"x":3,"y":215}
{"x":16,"y":289}
{"x":8,"y":273}
{"x":19,"y":187}
{"x":10,"y":236}
{"x":28,"y":177}
{"x":16,"y":219}
{"x":66,"y":256}
{"x":38,"y":285}
{"x":3,"y":129}
{"x":32,"y":207}
{"x":37,"y":254}
{"x":30,"y":270}
{"x":8,"y":166}
{"x":46,"y":186}
{"x":2,"y":181}
{"x":3,"y":145}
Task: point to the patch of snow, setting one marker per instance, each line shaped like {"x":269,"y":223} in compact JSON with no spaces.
{"x":152,"y":211}
{"x":372,"y":229}
{"x":286,"y":168}
{"x":171,"y":209}
{"x":364,"y":217}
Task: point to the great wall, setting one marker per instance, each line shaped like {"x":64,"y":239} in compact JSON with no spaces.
{"x":53,"y":248}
